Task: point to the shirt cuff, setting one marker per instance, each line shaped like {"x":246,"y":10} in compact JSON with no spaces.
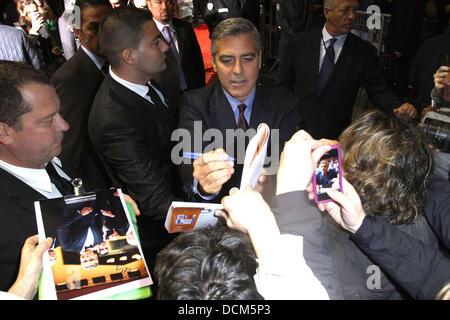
{"x":197,"y":192}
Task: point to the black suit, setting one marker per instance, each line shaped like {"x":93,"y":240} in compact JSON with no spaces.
{"x":273,"y":106}
{"x":132,"y":136}
{"x":328,"y":114}
{"x":191,"y":61}
{"x":76,"y":83}
{"x":17,"y":223}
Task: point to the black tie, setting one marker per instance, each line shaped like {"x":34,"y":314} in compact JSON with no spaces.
{"x":327,"y":64}
{"x":242,"y":123}
{"x":64,"y":186}
{"x":154,"y":96}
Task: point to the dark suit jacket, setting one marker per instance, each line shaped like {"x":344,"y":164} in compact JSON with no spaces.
{"x":191,"y":61}
{"x":326,"y":115}
{"x":76,"y":83}
{"x":132,"y":136}
{"x":17,"y":223}
{"x":273,"y":106}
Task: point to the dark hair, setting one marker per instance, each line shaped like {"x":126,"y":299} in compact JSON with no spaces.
{"x":13,"y":76}
{"x":234,"y":27}
{"x":82,"y":4}
{"x":121,"y":29}
{"x":209,"y":263}
{"x":389,"y":162}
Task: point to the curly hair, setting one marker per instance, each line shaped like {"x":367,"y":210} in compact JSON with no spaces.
{"x":211,"y":263}
{"x":389,"y":162}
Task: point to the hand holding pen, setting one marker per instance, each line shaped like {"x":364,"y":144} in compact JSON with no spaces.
{"x":212,"y":170}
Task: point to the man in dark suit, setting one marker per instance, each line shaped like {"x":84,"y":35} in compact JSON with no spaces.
{"x":326,"y":68}
{"x":184,"y":58}
{"x":76,"y":83}
{"x":31,"y":133}
{"x":131,"y":123}
{"x":236,"y":101}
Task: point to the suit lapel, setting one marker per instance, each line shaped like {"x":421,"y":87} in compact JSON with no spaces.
{"x":313,"y":54}
{"x":260,"y":110}
{"x":181,"y":35}
{"x":87,"y":65}
{"x":18,"y":191}
{"x":221,"y":111}
{"x":133,"y":100}
{"x":343,"y":62}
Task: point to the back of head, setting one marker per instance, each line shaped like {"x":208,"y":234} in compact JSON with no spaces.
{"x":234,"y":27}
{"x":121,"y":29}
{"x":389,"y":163}
{"x":210,"y":263}
{"x":13,"y":76}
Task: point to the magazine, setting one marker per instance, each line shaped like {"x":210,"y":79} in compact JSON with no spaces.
{"x":96,"y":252}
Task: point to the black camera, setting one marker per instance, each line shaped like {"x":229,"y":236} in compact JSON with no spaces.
{"x":439,"y":133}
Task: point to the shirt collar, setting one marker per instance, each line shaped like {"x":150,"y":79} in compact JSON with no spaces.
{"x":160,"y":25}
{"x":139,"y":89}
{"x":98,"y":61}
{"x":35,"y":178}
{"x":248,"y":102}
{"x":326,"y":36}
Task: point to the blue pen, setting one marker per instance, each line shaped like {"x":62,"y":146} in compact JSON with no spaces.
{"x":195,"y":155}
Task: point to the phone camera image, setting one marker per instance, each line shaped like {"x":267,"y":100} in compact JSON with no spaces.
{"x":327,"y":174}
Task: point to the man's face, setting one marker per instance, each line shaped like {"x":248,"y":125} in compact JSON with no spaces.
{"x":162,"y":10}
{"x":88,"y":34}
{"x":41,"y":135}
{"x":237,"y":63}
{"x":88,"y":259}
{"x":151,"y":51}
{"x":323,"y":167}
{"x":340,"y":20}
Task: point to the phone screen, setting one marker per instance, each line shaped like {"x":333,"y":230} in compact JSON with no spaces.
{"x":328,"y":174}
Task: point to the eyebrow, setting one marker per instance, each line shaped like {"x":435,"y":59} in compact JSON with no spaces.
{"x":248,"y":54}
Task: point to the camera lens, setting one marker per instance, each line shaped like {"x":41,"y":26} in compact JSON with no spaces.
{"x":439,"y":132}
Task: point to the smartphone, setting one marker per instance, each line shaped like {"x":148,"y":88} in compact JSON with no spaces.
{"x":328,"y":174}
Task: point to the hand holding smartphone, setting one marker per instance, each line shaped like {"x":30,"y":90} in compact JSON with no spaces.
{"x":328,"y":174}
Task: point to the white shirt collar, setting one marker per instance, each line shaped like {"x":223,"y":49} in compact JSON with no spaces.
{"x":160,"y":25}
{"x":139,"y":89}
{"x":326,"y":36}
{"x":98,"y":61}
{"x":37,"y":179}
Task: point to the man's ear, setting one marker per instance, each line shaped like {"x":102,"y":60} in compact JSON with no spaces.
{"x":326,"y":12}
{"x":214,"y":65}
{"x":129,"y":56}
{"x":5,"y":137}
{"x":77,"y":33}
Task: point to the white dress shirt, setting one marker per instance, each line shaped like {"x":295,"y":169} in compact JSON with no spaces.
{"x":325,"y":41}
{"x":139,"y":89}
{"x":38,"y":179}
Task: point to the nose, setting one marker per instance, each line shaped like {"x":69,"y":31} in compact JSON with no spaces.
{"x":237,"y":68}
{"x":61,"y":124}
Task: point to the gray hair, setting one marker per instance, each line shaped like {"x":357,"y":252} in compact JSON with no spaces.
{"x":330,"y":4}
{"x":234,"y":27}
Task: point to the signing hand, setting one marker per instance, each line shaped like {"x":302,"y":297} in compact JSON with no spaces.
{"x":212,"y":170}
